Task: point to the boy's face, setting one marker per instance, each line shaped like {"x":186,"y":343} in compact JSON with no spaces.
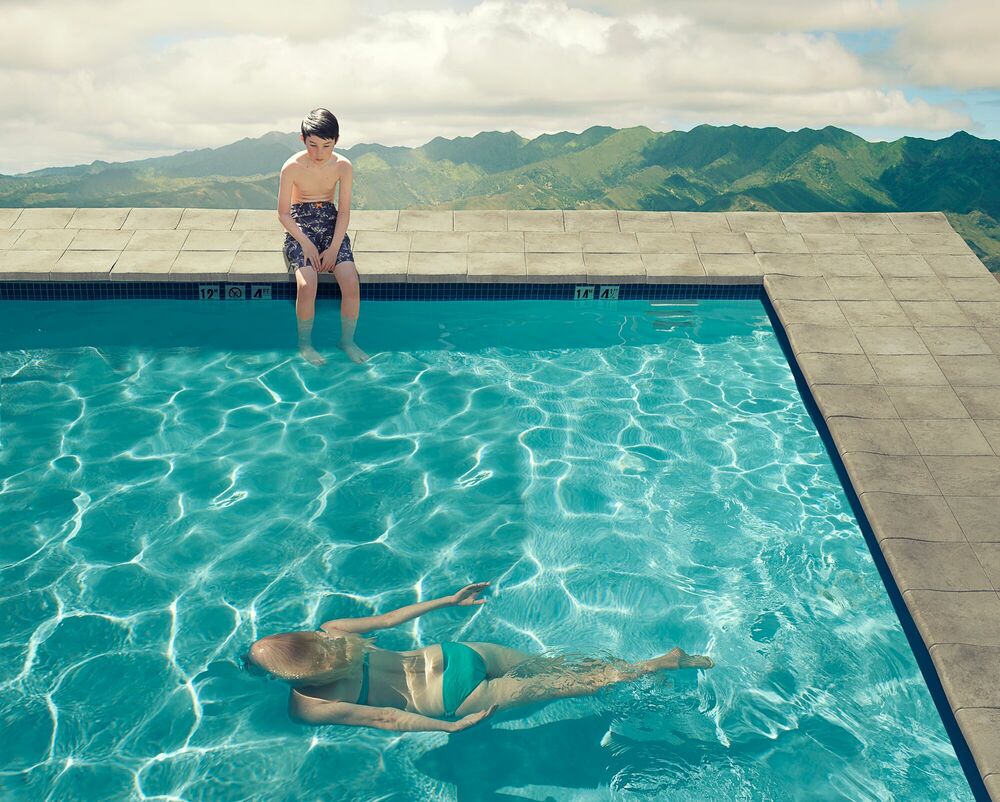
{"x":319,"y":150}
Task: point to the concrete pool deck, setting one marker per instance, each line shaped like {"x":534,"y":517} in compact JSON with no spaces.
{"x":893,"y":321}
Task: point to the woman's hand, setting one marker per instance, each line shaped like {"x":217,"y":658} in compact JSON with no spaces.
{"x":468,"y":596}
{"x":472,"y":719}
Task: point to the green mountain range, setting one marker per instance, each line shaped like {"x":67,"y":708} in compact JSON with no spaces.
{"x":706,"y":169}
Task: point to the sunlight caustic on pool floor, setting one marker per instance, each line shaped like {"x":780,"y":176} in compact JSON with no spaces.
{"x":630,"y":478}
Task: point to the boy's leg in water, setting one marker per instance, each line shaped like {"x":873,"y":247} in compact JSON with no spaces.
{"x":507,"y":692}
{"x":346,"y":274}
{"x":305,"y":312}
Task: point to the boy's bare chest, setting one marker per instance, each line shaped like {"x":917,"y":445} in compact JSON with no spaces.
{"x":314,"y":185}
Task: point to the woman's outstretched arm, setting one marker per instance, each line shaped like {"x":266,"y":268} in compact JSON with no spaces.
{"x":321,"y":711}
{"x":466,"y":597}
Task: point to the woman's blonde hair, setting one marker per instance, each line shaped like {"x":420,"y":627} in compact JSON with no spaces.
{"x":296,"y":656}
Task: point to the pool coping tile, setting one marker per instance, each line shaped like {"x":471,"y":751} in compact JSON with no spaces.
{"x":798,"y":288}
{"x":956,"y":616}
{"x":868,"y":401}
{"x":914,"y":517}
{"x":811,"y":222}
{"x":926,"y":402}
{"x":102,"y":218}
{"x":989,"y":557}
{"x":934,"y":565}
{"x":837,"y":369}
{"x":425,"y":220}
{"x":668,"y":267}
{"x":976,"y":475}
{"x":769,"y":242}
{"x":944,"y":437}
{"x":981,"y":727}
{"x":889,"y":473}
{"x":430,"y":267}
{"x":641,"y":221}
{"x":969,"y":673}
{"x":890,"y":340}
{"x":44,"y":217}
{"x":481,"y":220}
{"x":8,"y":217}
{"x":555,"y":267}
{"x":591,"y":220}
{"x":807,"y":338}
{"x":260,"y":220}
{"x":754,"y":222}
{"x":978,"y":516}
{"x":497,"y":266}
{"x":208,"y":219}
{"x":888,"y":436}
{"x":788,"y":264}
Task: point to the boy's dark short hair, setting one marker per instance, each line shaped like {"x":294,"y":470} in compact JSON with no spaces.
{"x":321,"y":123}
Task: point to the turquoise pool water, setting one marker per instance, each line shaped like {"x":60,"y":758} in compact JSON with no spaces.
{"x":630,"y":477}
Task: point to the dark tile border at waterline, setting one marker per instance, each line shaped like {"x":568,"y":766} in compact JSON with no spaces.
{"x":382,"y":291}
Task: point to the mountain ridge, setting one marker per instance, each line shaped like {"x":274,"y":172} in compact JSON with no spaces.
{"x":709,"y":168}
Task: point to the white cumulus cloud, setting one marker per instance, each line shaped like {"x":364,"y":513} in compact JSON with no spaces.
{"x":953,"y":44}
{"x":88,"y":80}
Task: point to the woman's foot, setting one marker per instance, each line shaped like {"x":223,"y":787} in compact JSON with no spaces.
{"x":354,"y":353}
{"x":677,"y":658}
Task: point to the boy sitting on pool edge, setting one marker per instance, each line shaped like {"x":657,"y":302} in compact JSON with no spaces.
{"x":316,"y":240}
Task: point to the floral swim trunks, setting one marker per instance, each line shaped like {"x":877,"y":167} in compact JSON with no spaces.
{"x":317,"y":221}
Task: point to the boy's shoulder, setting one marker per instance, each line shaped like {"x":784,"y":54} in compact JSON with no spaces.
{"x":340,"y":162}
{"x":295,"y":160}
{"x":299,"y":160}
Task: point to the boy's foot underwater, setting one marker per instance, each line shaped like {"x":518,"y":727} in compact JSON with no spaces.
{"x":306,"y":350}
{"x":354,"y":353}
{"x":311,"y":355}
{"x":347,"y":344}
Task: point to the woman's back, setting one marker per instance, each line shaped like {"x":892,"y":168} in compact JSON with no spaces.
{"x":408,"y":680}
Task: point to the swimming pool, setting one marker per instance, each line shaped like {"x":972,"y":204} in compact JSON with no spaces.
{"x":631,"y":476}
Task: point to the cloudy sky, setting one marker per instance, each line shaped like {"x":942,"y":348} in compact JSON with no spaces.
{"x":125,"y":79}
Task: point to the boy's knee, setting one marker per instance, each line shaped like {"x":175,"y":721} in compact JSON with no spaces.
{"x":346,"y":273}
{"x":305,"y":279}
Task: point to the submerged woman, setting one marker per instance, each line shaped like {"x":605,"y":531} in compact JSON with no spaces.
{"x":339,"y":677}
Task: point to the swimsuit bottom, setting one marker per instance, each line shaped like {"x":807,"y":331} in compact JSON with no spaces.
{"x":464,"y":669}
{"x":317,"y":220}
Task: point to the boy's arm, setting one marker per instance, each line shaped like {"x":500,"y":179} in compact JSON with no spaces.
{"x":343,"y":209}
{"x":286,"y":181}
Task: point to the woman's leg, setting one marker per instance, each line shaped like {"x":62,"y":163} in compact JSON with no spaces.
{"x":507,"y":692}
{"x":305,"y":312}
{"x":346,"y":274}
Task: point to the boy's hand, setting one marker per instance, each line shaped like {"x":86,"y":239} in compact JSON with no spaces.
{"x":326,"y":259}
{"x":468,"y":595}
{"x":311,"y":254}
